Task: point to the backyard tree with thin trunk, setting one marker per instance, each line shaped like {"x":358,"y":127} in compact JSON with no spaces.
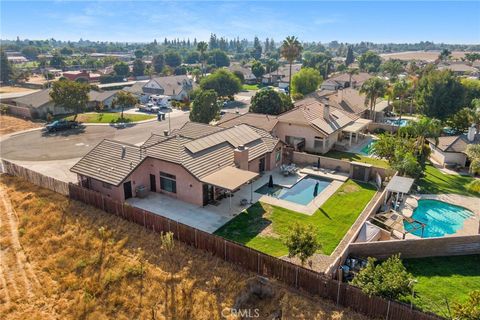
{"x":351,"y":72}
{"x":70,"y":95}
{"x":202,"y":47}
{"x":125,"y":99}
{"x":302,"y":242}
{"x":291,"y":50}
{"x":400,"y":90}
{"x":373,"y":88}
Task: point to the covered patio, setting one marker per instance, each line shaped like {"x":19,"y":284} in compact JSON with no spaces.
{"x":353,"y":132}
{"x":396,"y":189}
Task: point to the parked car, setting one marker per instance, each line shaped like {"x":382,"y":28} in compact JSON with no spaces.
{"x":149,"y":107}
{"x":59,"y":125}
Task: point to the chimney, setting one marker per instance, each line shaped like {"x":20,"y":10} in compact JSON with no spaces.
{"x":326,"y":112}
{"x":165,"y":133}
{"x":124,"y":150}
{"x":472,"y":131}
{"x":240,"y":157}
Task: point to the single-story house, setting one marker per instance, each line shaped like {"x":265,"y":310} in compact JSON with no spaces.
{"x":281,"y":76}
{"x":262,"y":121}
{"x":450,"y":150}
{"x":460,"y":69}
{"x":247,"y":73}
{"x":342,"y":81}
{"x":40,"y":104}
{"x":176,"y":87}
{"x":197,"y":163}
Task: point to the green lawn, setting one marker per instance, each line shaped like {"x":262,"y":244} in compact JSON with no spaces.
{"x":247,"y":87}
{"x":441,"y":278}
{"x":356,"y":157}
{"x":263,"y":227}
{"x":436,"y":181}
{"x":109,"y":117}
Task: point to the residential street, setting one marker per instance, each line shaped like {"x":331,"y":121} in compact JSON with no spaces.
{"x":38,"y":146}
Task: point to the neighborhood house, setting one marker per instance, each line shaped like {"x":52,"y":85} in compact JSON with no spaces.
{"x":174,"y":87}
{"x":197,"y":163}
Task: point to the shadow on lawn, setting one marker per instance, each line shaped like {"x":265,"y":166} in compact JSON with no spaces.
{"x":246,"y":226}
{"x":444,"y":266}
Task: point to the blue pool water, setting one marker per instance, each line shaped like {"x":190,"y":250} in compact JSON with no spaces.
{"x":397,"y":122}
{"x":441,"y":218}
{"x":302,"y":192}
{"x":367,"y":150}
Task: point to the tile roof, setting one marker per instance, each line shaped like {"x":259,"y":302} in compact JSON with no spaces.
{"x":199,"y":148}
{"x":258,"y":120}
{"x":173,"y":85}
{"x":454,"y":143}
{"x":310,"y":112}
{"x":109,"y":161}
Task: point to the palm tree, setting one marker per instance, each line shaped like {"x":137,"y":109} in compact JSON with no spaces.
{"x":351,"y":72}
{"x":400,"y":90}
{"x":291,"y":50}
{"x":373,"y":88}
{"x":421,"y":130}
{"x":202,"y":47}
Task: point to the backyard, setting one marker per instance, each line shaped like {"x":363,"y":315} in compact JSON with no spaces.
{"x":109,"y":117}
{"x":436,"y":182}
{"x":443,"y":278}
{"x":263,"y":227}
{"x":342,"y":155}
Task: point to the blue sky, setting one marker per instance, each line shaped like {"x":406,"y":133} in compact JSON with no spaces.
{"x":376,"y":21}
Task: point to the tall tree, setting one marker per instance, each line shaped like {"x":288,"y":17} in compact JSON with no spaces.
{"x":125,"y":99}
{"x":350,"y":58}
{"x":173,"y":58}
{"x":369,"y":62}
{"x":258,"y":69}
{"x":138,"y":68}
{"x":393,"y":68}
{"x":6,"y":70}
{"x":158,"y":63}
{"x":291,"y":50}
{"x":218,"y":58}
{"x":421,"y":130}
{"x":439,"y":94}
{"x":257,"y":49}
{"x":121,"y":69}
{"x":70,"y":95}
{"x":445,"y":54}
{"x":373,"y":88}
{"x":351,"y":72}
{"x":204,"y":107}
{"x":400,"y":90}
{"x":202,"y":47}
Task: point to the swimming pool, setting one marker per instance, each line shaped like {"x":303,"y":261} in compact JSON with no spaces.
{"x":301,"y":192}
{"x":368,"y":148}
{"x":440,"y":218}
{"x":397,"y":122}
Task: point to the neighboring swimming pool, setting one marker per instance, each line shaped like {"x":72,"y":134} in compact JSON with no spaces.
{"x":440,"y":218}
{"x":302,"y":192}
{"x":367,"y":150}
{"x":397,"y":122}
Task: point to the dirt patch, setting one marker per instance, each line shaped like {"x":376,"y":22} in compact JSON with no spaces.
{"x":93,"y":265}
{"x":349,"y":189}
{"x":10,"y":89}
{"x":9,"y":124}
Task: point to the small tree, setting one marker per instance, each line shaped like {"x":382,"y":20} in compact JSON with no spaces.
{"x":6,"y":70}
{"x":470,"y":309}
{"x":204,"y":107}
{"x":138,"y":68}
{"x":223,"y":82}
{"x":258,"y":69}
{"x":270,"y":101}
{"x":473,"y":153}
{"x":389,"y":279}
{"x":306,"y":81}
{"x":70,"y":95}
{"x":158,"y":63}
{"x":302,"y":241}
{"x":125,"y":99}
{"x":121,"y":69}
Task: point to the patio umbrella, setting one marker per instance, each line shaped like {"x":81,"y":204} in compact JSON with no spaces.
{"x":315,"y":190}
{"x":270,"y":182}
{"x":318,"y":163}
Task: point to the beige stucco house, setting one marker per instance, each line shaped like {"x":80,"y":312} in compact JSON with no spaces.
{"x":198,"y":163}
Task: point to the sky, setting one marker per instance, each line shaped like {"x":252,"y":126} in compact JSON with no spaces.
{"x":142,"y":21}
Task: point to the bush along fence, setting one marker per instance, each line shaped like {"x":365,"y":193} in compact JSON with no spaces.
{"x":262,"y":264}
{"x":35,"y":177}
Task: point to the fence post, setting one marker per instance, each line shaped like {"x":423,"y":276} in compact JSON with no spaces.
{"x":258,"y":263}
{"x":144,"y":223}
{"x":196,"y":245}
{"x":388,"y":310}
{"x":178,"y":232}
{"x":338,"y":293}
{"x":225,"y":249}
{"x":296,"y":276}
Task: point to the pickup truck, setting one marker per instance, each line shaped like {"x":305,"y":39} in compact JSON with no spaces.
{"x":59,"y":125}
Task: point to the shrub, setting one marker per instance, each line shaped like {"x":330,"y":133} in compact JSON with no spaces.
{"x":474,"y":186}
{"x":470,"y":310}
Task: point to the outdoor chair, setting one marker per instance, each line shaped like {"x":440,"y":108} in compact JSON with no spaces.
{"x":243,"y":202}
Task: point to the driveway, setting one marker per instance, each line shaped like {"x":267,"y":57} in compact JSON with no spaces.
{"x":202,"y":218}
{"x":75,"y":143}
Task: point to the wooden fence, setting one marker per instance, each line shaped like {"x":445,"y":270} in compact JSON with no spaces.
{"x":264,"y":265}
{"x":35,"y":177}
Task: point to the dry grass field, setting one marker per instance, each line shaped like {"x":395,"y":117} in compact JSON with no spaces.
{"x":61,"y":259}
{"x":9,"y":124}
{"x":419,"y":55}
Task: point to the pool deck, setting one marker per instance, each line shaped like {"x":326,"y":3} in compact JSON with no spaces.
{"x":337,"y":180}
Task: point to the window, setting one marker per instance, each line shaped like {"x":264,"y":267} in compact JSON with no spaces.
{"x":278,"y":155}
{"x":289,"y":140}
{"x":168,"y":182}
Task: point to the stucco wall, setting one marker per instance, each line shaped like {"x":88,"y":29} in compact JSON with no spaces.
{"x":284,"y":129}
{"x":112,"y":192}
{"x":436,"y":154}
{"x":447,"y":157}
